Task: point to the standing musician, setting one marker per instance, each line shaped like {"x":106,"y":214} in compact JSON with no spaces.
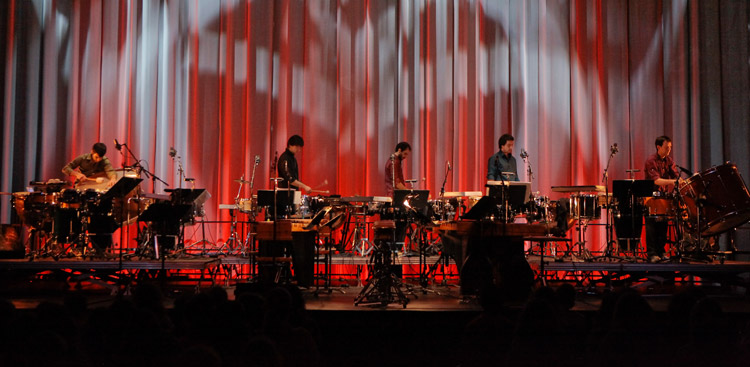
{"x":394,"y":176}
{"x":92,"y":166}
{"x":661,"y":168}
{"x":503,"y":161}
{"x":287,"y":167}
{"x":393,"y":170}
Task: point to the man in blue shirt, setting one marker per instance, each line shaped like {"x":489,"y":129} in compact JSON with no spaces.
{"x":502,"y":165}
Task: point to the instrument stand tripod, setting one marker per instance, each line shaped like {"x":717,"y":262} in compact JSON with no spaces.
{"x":611,"y":243}
{"x":427,"y":272}
{"x":231,"y":244}
{"x":200,"y":244}
{"x":583,"y":252}
{"x":361,"y":244}
{"x":680,"y":252}
{"x":383,"y":287}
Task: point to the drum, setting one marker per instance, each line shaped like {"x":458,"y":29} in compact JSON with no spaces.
{"x":34,"y":208}
{"x":376,"y":207}
{"x":542,"y":210}
{"x":660,"y":206}
{"x":19,"y":199}
{"x":722,"y":197}
{"x":70,"y":199}
{"x":246,"y":205}
{"x":134,"y":206}
{"x":585,"y":207}
{"x":310,"y":205}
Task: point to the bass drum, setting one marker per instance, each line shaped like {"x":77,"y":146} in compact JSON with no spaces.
{"x":722,"y":196}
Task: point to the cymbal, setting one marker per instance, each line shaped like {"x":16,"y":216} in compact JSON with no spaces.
{"x":241,"y":181}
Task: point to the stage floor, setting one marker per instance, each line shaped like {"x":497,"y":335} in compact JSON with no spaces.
{"x":28,"y":282}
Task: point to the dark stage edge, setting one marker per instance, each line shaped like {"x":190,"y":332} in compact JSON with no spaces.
{"x":205,"y":262}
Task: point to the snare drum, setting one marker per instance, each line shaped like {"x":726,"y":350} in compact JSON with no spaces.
{"x":246,"y":206}
{"x":585,"y":207}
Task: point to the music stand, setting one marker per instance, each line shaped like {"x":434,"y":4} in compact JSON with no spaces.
{"x":627,"y":192}
{"x":518,"y":191}
{"x":122,"y":187}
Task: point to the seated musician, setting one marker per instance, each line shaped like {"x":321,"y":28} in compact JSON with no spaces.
{"x":92,"y":166}
{"x":661,"y":168}
{"x":92,"y":170}
{"x":503,"y":161}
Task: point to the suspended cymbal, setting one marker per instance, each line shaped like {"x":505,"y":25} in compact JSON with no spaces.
{"x":241,"y":181}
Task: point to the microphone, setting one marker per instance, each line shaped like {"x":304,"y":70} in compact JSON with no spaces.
{"x":449,"y":166}
{"x":524,"y":155}
{"x":685,"y":170}
{"x":613,"y":148}
{"x":172,"y":152}
{"x":257,"y":159}
{"x":118,"y":146}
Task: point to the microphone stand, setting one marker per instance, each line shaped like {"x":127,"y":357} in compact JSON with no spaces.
{"x":609,"y":225}
{"x":251,"y":214}
{"x":442,"y":188}
{"x":529,"y":172}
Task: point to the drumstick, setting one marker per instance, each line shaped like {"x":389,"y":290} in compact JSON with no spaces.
{"x":315,"y":191}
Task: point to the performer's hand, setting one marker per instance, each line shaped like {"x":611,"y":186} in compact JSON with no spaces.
{"x":79,"y":176}
{"x":111,"y":182}
{"x":306,"y":188}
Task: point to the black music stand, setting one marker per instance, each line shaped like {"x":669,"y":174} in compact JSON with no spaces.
{"x":626,"y":193}
{"x":122,"y":187}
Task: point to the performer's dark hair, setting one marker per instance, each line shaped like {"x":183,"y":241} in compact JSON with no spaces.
{"x":295,"y":140}
{"x":504,"y":139}
{"x":100,"y":148}
{"x":660,"y":140}
{"x":402,"y":146}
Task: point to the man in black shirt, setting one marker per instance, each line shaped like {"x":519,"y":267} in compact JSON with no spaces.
{"x":287,"y":167}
